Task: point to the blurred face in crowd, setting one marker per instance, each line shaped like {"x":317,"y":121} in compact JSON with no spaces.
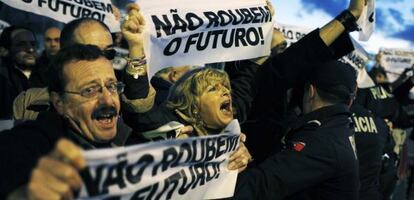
{"x":52,"y":44}
{"x":23,"y":48}
{"x":216,"y":106}
{"x":380,"y":78}
{"x":279,"y":43}
{"x":93,"y":33}
{"x":94,"y":114}
{"x":177,"y":72}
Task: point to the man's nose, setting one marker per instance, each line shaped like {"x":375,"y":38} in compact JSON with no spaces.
{"x":106,"y":97}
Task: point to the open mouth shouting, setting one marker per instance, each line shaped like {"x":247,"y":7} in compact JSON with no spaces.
{"x":105,"y":117}
{"x":226,"y":107}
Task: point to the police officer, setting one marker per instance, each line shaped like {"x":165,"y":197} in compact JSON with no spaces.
{"x":373,"y":139}
{"x":319,"y":159}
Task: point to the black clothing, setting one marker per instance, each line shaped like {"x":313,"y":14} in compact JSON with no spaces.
{"x":22,"y":146}
{"x":372,"y":137}
{"x":135,"y":88}
{"x":12,"y":83}
{"x":162,"y":88}
{"x":379,"y":101}
{"x":270,"y":117}
{"x":41,"y":76}
{"x":318,"y":162}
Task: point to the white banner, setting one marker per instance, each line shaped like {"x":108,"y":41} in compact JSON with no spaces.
{"x":367,"y":21}
{"x":196,"y":32}
{"x":3,"y":25}
{"x":193,"y":168}
{"x":68,"y":10}
{"x":358,"y":60}
{"x":292,"y":33}
{"x":395,"y":61}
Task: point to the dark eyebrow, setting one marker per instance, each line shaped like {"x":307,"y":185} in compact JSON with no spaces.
{"x":109,"y":46}
{"x":89,"y":83}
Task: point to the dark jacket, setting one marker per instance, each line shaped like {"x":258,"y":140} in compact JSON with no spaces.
{"x":270,"y":115}
{"x":12,"y":83}
{"x":379,"y":101}
{"x":318,"y":162}
{"x":372,"y":138}
{"x":22,"y":146}
{"x":162,"y":87}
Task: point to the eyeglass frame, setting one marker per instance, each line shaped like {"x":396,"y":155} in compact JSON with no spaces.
{"x":109,"y":53}
{"x":119,"y":89}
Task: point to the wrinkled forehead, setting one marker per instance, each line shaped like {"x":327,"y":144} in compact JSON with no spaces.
{"x":94,"y":34}
{"x":212,"y":78}
{"x":80,"y":72}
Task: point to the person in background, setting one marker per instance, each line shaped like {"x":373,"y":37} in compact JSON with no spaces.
{"x":17,"y":67}
{"x":164,"y":79}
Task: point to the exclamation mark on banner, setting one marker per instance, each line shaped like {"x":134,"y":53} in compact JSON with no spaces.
{"x":261,"y":36}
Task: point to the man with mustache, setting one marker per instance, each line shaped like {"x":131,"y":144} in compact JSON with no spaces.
{"x":87,"y":108}
{"x":85,"y":95}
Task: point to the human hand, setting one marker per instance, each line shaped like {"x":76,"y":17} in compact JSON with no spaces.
{"x":185,"y":132}
{"x":271,"y":8}
{"x":56,"y":175}
{"x":240,"y":158}
{"x":132,"y":29}
{"x":356,"y":7}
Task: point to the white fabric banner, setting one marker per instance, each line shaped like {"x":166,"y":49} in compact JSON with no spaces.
{"x":292,"y":33}
{"x":358,"y":59}
{"x":193,"y":168}
{"x":367,"y":21}
{"x":196,"y":32}
{"x":3,"y":25}
{"x":68,"y":10}
{"x":395,"y":61}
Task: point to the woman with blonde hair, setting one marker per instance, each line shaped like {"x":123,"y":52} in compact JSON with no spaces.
{"x":206,"y":100}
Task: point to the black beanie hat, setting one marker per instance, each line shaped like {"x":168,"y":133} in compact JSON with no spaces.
{"x":335,"y":78}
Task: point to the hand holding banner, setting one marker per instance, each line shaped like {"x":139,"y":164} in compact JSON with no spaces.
{"x":193,"y":168}
{"x":183,"y":32}
{"x":367,"y":21}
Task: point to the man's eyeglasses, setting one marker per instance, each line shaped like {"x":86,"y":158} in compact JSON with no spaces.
{"x":93,"y":91}
{"x":109,"y":53}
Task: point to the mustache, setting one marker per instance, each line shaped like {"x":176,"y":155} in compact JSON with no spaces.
{"x":104,"y":111}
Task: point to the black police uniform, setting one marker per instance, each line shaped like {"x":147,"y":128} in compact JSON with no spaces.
{"x":319,"y":162}
{"x":372,"y":138}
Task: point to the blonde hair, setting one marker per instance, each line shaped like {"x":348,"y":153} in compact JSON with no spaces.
{"x":184,"y":96}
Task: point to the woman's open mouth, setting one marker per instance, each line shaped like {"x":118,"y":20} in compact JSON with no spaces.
{"x":226,"y":107}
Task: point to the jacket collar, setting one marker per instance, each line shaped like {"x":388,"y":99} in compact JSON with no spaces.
{"x":320,"y":116}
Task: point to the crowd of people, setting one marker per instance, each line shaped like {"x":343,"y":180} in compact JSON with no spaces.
{"x":309,"y":132}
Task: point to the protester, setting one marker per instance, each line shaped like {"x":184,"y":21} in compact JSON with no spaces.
{"x":51,"y":43}
{"x":311,"y":133}
{"x":17,"y":67}
{"x":88,"y":119}
{"x":85,"y":31}
{"x":164,"y":79}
